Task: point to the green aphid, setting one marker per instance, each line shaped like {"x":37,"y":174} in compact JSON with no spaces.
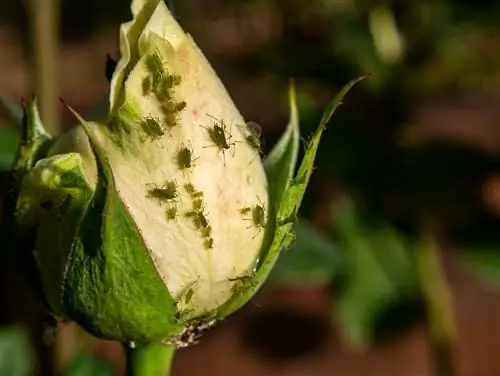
{"x":254,"y":137}
{"x":170,"y":81}
{"x":192,"y":191}
{"x":189,"y":295}
{"x":171,"y":213}
{"x":258,"y":215}
{"x":242,"y":278}
{"x":202,"y":219}
{"x":153,"y":127}
{"x":199,"y":219}
{"x":208,"y":243}
{"x":185,"y":157}
{"x":206,"y":231}
{"x":166,"y":192}
{"x":189,"y":188}
{"x":152,"y":83}
{"x":245,"y":210}
{"x":218,"y":135}
{"x":197,"y":204}
{"x":154,"y":62}
{"x":253,"y":142}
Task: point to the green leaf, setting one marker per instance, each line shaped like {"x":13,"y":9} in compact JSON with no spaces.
{"x":312,"y":260}
{"x":9,"y":143}
{"x":380,"y":273}
{"x":484,"y":260}
{"x":86,"y":365}
{"x":16,"y":355}
{"x":288,"y":206}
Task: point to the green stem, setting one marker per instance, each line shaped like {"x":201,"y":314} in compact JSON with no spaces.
{"x":439,"y":307}
{"x":45,"y":34}
{"x":154,"y":359}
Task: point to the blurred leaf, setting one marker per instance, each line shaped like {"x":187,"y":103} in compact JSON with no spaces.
{"x":484,"y":260}
{"x":380,"y":273}
{"x":9,"y":142}
{"x":13,"y":110}
{"x":16,"y":355}
{"x":86,"y":365}
{"x":311,"y":260}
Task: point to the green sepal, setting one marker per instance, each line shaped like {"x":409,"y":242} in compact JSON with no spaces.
{"x":52,"y":199}
{"x":112,"y":287}
{"x":281,"y":161}
{"x":35,"y":141}
{"x":289,"y":203}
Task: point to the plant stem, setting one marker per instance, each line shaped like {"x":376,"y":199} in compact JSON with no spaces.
{"x":439,"y":306}
{"x":153,"y":359}
{"x":45,"y":34}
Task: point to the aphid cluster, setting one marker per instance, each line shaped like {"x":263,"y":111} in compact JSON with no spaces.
{"x":198,"y":216}
{"x":161,"y":84}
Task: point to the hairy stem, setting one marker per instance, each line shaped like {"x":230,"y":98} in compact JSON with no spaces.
{"x":439,"y":307}
{"x":149,"y":360}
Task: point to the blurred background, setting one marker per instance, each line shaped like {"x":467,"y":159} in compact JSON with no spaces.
{"x":399,"y":233}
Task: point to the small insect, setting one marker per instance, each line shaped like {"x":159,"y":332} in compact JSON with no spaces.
{"x":185,"y":157}
{"x":197,"y":204}
{"x":187,"y":294}
{"x":245,"y":210}
{"x":192,"y":191}
{"x":206,"y":231}
{"x":208,"y":243}
{"x":199,"y":219}
{"x":217,"y":134}
{"x":153,"y":127}
{"x":171,"y":213}
{"x":243,"y":278}
{"x":254,"y":137}
{"x":166,"y":192}
{"x":154,"y":62}
{"x":258,"y":214}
